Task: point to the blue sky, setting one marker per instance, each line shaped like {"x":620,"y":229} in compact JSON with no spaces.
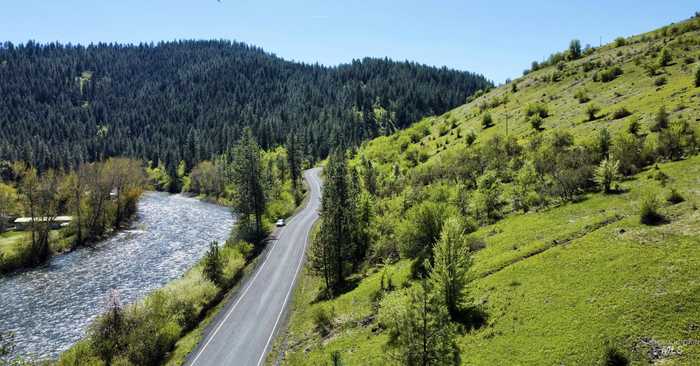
{"x":496,"y":38}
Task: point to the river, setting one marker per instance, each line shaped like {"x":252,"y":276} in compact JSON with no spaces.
{"x":49,"y":308}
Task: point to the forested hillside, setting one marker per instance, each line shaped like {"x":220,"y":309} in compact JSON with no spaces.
{"x":189,"y":100}
{"x":551,"y":221}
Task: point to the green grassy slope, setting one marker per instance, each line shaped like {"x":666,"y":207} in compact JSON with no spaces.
{"x":559,"y":284}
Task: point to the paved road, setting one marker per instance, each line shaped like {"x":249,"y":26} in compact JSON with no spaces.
{"x":243,"y":332}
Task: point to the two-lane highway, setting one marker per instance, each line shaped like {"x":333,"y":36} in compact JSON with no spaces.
{"x":242,"y":334}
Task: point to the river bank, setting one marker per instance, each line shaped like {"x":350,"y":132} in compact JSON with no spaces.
{"x":50,"y":307}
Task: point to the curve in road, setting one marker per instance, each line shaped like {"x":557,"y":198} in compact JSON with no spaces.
{"x":242,"y":336}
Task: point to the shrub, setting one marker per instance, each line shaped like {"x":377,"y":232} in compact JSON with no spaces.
{"x":588,"y":66}
{"x":697,"y":77}
{"x":674,"y":197}
{"x":664,"y":58}
{"x":442,"y":130}
{"x":591,"y":112}
{"x":539,"y":109}
{"x":582,"y":96}
{"x":621,"y":112}
{"x":651,"y":69}
{"x":609,"y":74}
{"x":660,"y":120}
{"x":633,"y":127}
{"x":421,"y":229}
{"x":613,"y":357}
{"x":625,"y":149}
{"x":660,"y":81}
{"x":470,"y":137}
{"x":607,"y":173}
{"x":649,"y":210}
{"x":620,"y":41}
{"x":487,"y":120}
{"x":487,"y":202}
{"x":336,"y":359}
{"x":323,"y":320}
{"x":536,"y":122}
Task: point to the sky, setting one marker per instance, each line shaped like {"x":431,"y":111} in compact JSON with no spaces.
{"x":498,"y":39}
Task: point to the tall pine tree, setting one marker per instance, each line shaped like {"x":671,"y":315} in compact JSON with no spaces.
{"x":246,"y":173}
{"x":333,"y":245}
{"x":294,"y":159}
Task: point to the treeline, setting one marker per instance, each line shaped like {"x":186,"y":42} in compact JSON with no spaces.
{"x":260,"y":185}
{"x":100,"y":197}
{"x":189,"y":101}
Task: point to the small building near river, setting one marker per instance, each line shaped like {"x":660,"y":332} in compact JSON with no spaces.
{"x":25,"y":223}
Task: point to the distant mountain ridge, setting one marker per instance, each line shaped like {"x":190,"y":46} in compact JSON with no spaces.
{"x":187,"y":100}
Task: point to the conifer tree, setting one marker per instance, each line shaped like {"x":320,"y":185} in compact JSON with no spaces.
{"x":452,"y":260}
{"x":369,"y":175}
{"x":246,"y":173}
{"x":294,"y":159}
{"x":419,"y":328}
{"x":213,"y":265}
{"x":333,"y":244}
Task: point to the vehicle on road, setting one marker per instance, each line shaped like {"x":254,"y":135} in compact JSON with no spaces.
{"x":280,"y":223}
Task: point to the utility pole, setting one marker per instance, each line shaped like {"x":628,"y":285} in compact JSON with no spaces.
{"x":506,"y":108}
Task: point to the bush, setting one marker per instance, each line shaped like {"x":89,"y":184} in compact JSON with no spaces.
{"x":607,"y":173}
{"x":621,"y":112}
{"x":487,"y":202}
{"x":633,"y":127}
{"x":470,"y":137}
{"x":588,"y":66}
{"x":664,"y":58}
{"x":487,"y":120}
{"x":660,"y":81}
{"x":649,"y":210}
{"x":582,"y":96}
{"x":625,"y":149}
{"x":323,"y":320}
{"x":660,"y":120}
{"x":539,"y":109}
{"x":651,"y":69}
{"x":422,"y":227}
{"x":591,"y":112}
{"x":697,"y":77}
{"x":674,"y":197}
{"x":536,"y":122}
{"x":608,"y":74}
{"x":620,"y":41}
{"x":613,"y":357}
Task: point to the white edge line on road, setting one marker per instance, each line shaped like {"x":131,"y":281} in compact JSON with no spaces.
{"x":250,"y":284}
{"x":286,"y":298}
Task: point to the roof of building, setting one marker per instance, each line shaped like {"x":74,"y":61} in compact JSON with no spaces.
{"x":25,"y":220}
